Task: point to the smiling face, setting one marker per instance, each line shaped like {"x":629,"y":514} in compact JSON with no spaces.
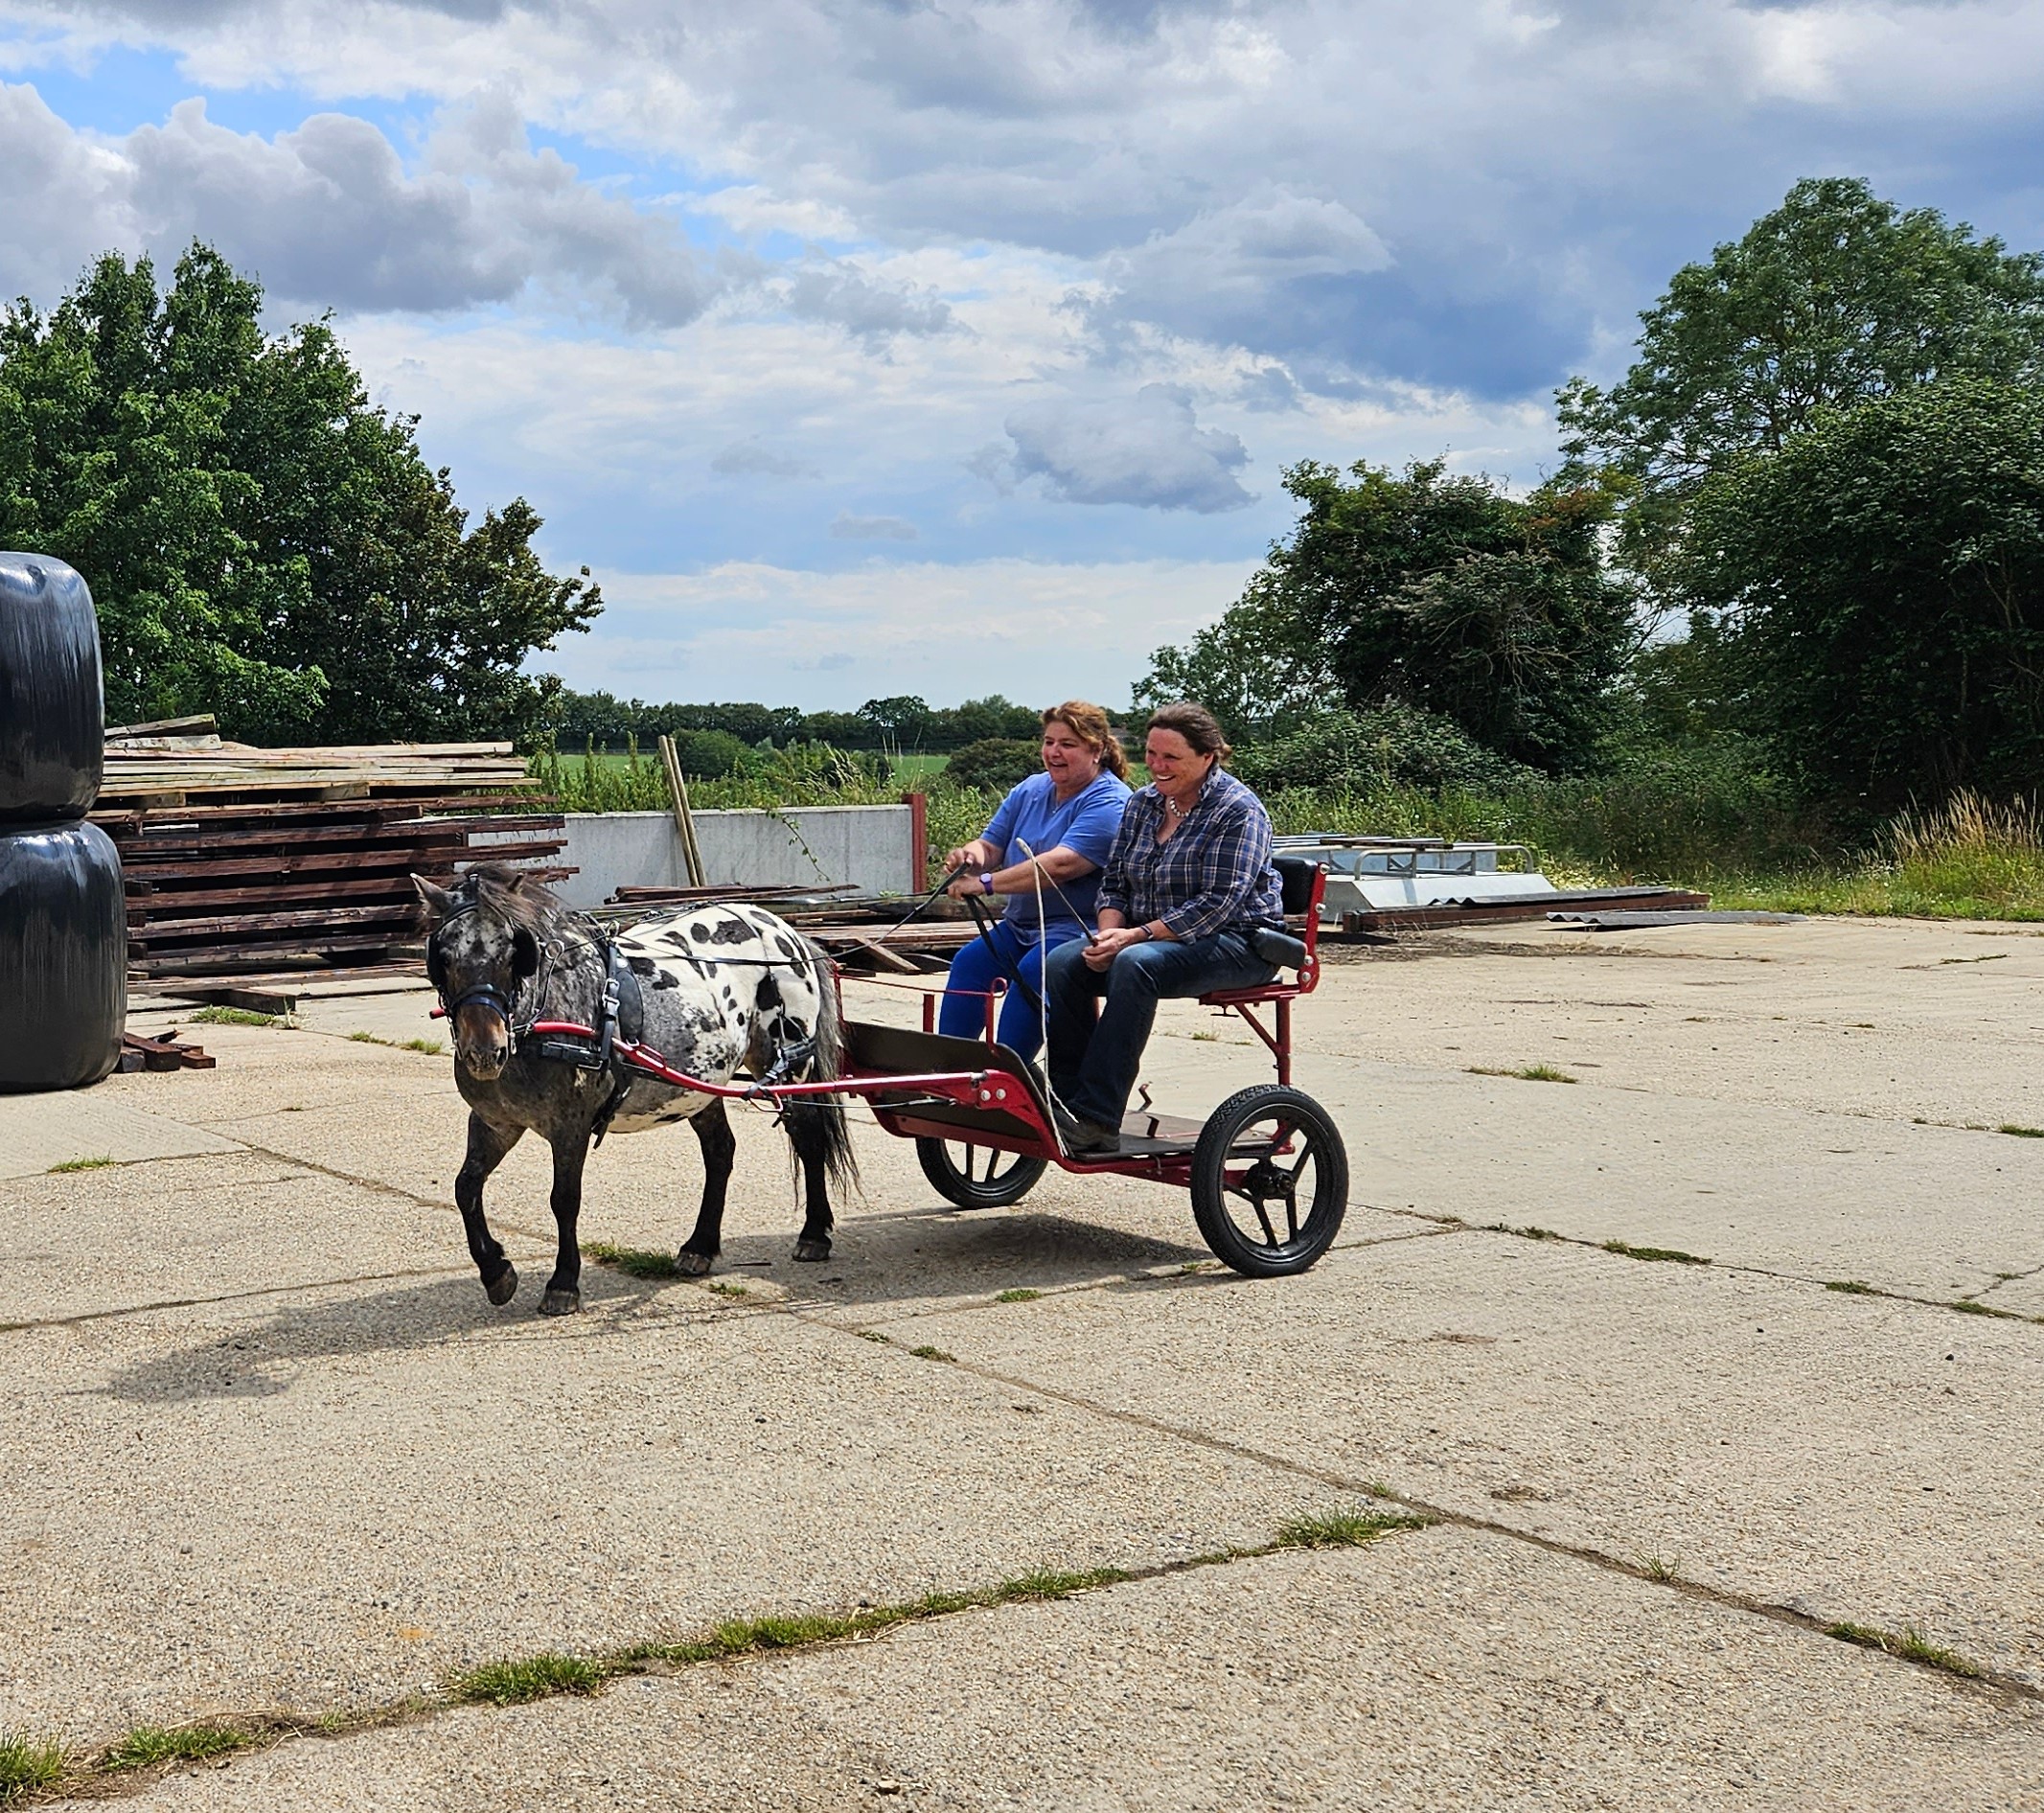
{"x":1176,"y":767}
{"x":1068,"y":759}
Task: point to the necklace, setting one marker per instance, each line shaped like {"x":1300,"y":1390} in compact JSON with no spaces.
{"x":1172,"y":807}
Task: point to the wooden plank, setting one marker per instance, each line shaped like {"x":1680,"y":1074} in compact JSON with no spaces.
{"x":268,"y":949}
{"x":432,"y":860}
{"x":249,"y":838}
{"x":170,"y":904}
{"x":164,"y":933}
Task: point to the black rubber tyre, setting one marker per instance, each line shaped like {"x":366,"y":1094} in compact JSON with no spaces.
{"x":952,"y":1168}
{"x":52,"y":744}
{"x":1236,"y":1218}
{"x":63,"y":956}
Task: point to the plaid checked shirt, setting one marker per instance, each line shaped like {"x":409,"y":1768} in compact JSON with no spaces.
{"x":1213,"y":874}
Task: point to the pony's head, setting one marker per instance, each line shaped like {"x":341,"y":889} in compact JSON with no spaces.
{"x":484,"y":946}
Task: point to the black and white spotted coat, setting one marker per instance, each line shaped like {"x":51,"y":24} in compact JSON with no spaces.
{"x":724,"y":988}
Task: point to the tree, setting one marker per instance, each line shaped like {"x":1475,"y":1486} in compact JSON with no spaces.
{"x":1260,"y":663}
{"x":1833,"y":298}
{"x":903,"y":720}
{"x":1432,"y":591}
{"x":262,"y":543}
{"x":1880,"y":582}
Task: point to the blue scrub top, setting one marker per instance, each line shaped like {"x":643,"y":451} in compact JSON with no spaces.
{"x":1087,"y":823}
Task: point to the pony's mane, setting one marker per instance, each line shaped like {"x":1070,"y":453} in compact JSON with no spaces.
{"x":515,"y":895}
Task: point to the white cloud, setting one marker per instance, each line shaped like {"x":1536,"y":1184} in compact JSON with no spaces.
{"x":750,"y":458}
{"x":850,"y":528}
{"x":1148,"y":450}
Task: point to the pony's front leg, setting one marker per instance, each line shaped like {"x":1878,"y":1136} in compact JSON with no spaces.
{"x":563,"y":1289}
{"x":713,"y":1132}
{"x":487,"y":1147}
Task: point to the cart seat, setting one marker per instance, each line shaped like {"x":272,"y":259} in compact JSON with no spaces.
{"x":1302,"y":884}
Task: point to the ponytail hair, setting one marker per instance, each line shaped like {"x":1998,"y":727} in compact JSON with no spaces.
{"x":1089,"y":724}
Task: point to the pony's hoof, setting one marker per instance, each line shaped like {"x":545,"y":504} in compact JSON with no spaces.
{"x":502,"y":1288}
{"x":813,"y":1251}
{"x":559,"y":1302}
{"x":693,"y":1265}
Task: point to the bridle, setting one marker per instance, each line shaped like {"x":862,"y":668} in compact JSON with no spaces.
{"x":468,"y":897}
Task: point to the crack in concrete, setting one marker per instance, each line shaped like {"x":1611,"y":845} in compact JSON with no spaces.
{"x":2010,"y":1685}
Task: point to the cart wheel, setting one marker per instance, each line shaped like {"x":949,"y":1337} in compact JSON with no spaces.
{"x":1268,"y":1217}
{"x":977,"y":1176}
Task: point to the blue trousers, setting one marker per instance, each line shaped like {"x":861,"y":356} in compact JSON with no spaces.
{"x":964,"y":1015}
{"x":1094,"y":1064}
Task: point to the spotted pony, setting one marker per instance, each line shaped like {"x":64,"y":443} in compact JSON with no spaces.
{"x":715,"y":990}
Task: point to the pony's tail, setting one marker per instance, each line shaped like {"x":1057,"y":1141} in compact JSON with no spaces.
{"x":841,"y":1163}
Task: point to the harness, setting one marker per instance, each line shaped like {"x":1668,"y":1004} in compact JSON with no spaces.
{"x":620,"y":1018}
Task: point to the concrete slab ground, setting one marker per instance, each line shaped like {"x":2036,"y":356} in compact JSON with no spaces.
{"x":268,"y":1448}
{"x":1442,"y":1669}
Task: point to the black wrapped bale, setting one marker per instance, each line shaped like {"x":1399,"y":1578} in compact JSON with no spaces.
{"x":63,"y":956}
{"x":52,"y":727}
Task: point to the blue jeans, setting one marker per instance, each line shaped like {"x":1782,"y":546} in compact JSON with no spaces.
{"x":1093,"y":1065}
{"x":963,"y":1016}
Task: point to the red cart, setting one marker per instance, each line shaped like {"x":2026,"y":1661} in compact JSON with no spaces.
{"x":1267,"y":1170}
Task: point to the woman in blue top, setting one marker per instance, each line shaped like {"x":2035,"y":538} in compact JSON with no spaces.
{"x":1068,"y":815}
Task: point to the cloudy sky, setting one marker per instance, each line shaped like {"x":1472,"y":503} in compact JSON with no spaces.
{"x":956,"y":345}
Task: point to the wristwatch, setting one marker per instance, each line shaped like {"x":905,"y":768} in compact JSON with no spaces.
{"x":986,"y":880}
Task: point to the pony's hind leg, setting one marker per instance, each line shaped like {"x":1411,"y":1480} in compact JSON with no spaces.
{"x":713,"y":1131}
{"x":811,"y":1130}
{"x":563,"y":1289}
{"x":487,"y":1147}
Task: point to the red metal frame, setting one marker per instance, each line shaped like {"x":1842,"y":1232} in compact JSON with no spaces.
{"x":1282,"y":995}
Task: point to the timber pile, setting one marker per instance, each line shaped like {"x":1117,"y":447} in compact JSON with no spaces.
{"x":244,"y":859}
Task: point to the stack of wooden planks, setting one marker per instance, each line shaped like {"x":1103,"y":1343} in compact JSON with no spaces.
{"x":242,"y":858}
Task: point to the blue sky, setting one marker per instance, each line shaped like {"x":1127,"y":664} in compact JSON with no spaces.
{"x":958,"y":346}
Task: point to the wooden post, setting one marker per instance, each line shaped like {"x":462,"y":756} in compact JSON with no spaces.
{"x":684,"y":820}
{"x":918,"y":805}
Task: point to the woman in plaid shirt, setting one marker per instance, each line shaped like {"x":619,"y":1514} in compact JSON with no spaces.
{"x":1188,"y":881}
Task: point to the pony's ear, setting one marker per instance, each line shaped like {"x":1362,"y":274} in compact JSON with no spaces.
{"x":437,"y":898}
{"x":524,"y":952}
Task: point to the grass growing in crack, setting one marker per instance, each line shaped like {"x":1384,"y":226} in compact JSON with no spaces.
{"x":147,"y":1745}
{"x":82,"y":1165}
{"x":634,"y":1262}
{"x":432,"y":1047}
{"x":28,"y":1764}
{"x":1911,"y":1644}
{"x":750,"y":1635}
{"x":1346,"y":1527}
{"x":1667,"y":1256}
{"x":927,"y":1352}
{"x":722,"y":1287}
{"x":1660,"y":1567}
{"x":1017,"y":1297}
{"x":235,"y":1016}
{"x":530,"y":1678}
{"x":1528,"y":1232}
{"x":1850,"y":1287}
{"x":1966,"y":1306}
{"x":1526,"y":1073}
{"x":2021,"y":1132}
{"x":874,"y":1334}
